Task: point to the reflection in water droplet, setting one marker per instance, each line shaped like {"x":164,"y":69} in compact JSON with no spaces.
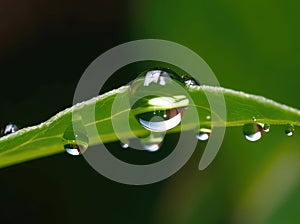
{"x":75,"y":143}
{"x":266,"y":127}
{"x":254,"y":118}
{"x":153,"y":142}
{"x":253,"y":131}
{"x":160,"y":90}
{"x":160,"y":77}
{"x":161,"y":120}
{"x":9,"y":128}
{"x":204,"y":134}
{"x":125,"y":144}
{"x":208,"y":117}
{"x":289,"y":130}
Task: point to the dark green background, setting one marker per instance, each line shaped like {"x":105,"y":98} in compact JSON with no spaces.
{"x":251,"y":46}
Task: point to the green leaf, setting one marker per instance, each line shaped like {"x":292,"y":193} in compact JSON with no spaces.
{"x":47,"y":138}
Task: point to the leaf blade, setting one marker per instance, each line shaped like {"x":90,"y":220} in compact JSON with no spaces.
{"x":46,"y":138}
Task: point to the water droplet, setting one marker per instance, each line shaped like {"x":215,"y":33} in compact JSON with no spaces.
{"x":9,"y":128}
{"x":74,"y":149}
{"x":125,"y":144}
{"x":152,"y":147}
{"x":266,"y":127}
{"x":208,"y":117}
{"x":75,"y":143}
{"x":289,"y":130}
{"x":204,"y":134}
{"x":253,"y":131}
{"x":254,"y":118}
{"x":161,"y":92}
{"x":153,"y":142}
{"x":189,"y":81}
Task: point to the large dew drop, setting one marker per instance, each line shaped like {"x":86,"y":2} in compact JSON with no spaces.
{"x":253,"y":131}
{"x":289,"y":130}
{"x":75,"y":143}
{"x":162,"y":94}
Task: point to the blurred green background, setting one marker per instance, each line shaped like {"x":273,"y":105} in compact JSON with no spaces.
{"x":252,"y":46}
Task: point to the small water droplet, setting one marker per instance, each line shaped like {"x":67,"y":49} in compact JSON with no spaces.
{"x":254,"y":118}
{"x":153,"y":142}
{"x":75,"y":143}
{"x":266,"y":127}
{"x":253,"y":131}
{"x":208,"y":117}
{"x":289,"y":130}
{"x":204,"y":134}
{"x":125,"y":144}
{"x":74,"y":149}
{"x":189,"y":81}
{"x":152,"y":147}
{"x":9,"y":128}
